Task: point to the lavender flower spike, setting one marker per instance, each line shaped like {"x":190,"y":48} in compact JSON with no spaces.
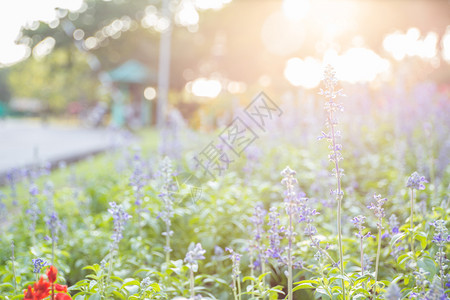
{"x":194,"y":255}
{"x":416,"y":181}
{"x":120,"y":217}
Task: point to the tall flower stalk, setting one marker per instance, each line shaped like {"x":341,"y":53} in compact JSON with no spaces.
{"x":33,"y":212}
{"x":166,"y":195}
{"x":54,"y":225}
{"x":359,"y":224}
{"x":235,"y":276}
{"x":441,"y":238}
{"x":120,"y":217}
{"x":194,"y":254}
{"x":290,"y":182}
{"x":332,"y":107}
{"x":378,"y":210}
{"x":137,"y":182}
{"x":258,"y":224}
{"x":415,"y":182}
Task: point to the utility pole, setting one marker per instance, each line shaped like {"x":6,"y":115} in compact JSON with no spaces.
{"x":164,"y":66}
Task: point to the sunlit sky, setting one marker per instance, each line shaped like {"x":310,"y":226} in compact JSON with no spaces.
{"x":18,"y":13}
{"x":357,"y":64}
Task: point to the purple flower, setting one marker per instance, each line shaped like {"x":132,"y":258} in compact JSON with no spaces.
{"x":120,"y":217}
{"x":54,"y":225}
{"x":194,"y":254}
{"x":378,"y":209}
{"x":34,"y":191}
{"x":441,"y":236}
{"x":258,"y":224}
{"x":168,"y":187}
{"x":275,"y":231}
{"x":38,"y":264}
{"x":359,"y":221}
{"x":416,"y":181}
{"x":137,"y":178}
{"x":235,"y":258}
{"x":394,"y":224}
{"x":34,"y":211}
{"x":393,"y":292}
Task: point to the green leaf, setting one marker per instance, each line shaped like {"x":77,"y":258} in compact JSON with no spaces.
{"x":131,"y":282}
{"x":303,"y":286}
{"x":260,"y":277}
{"x":396,"y":238}
{"x":306,"y":281}
{"x":428,"y":265}
{"x":422,"y":238}
{"x":95,"y":296}
{"x":248,"y":278}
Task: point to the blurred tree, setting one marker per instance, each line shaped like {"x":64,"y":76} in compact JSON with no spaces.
{"x":5,"y":93}
{"x":58,"y":78}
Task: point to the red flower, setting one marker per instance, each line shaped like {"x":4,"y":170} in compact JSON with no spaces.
{"x":52,"y":272}
{"x":41,"y":288}
{"x":61,"y":288}
{"x":61,"y":296}
{"x":28,"y":294}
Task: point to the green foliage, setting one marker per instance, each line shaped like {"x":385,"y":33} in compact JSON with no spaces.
{"x":57,"y":79}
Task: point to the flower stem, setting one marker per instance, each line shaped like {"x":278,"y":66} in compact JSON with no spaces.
{"x":340,"y":246}
{"x":53,"y":250}
{"x":338,"y":196}
{"x":192,"y":284}
{"x":167,"y":243}
{"x":13,"y":259}
{"x":239,"y":287}
{"x":362,"y":256}
{"x":378,"y":255}
{"x":412,"y":221}
{"x":290,"y":258}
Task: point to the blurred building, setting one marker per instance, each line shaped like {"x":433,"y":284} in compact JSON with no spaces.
{"x":130,"y":79}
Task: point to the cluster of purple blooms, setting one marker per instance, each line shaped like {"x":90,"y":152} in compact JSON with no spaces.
{"x":298,"y":211}
{"x":236,"y":259}
{"x":441,"y":238}
{"x":137,"y":178}
{"x":194,"y":254}
{"x":258,"y":233}
{"x":416,"y":181}
{"x":120,"y":218}
{"x":435,"y":291}
{"x":54,"y":225}
{"x":38,"y":264}
{"x":33,"y":212}
{"x":2,"y":205}
{"x":378,"y":209}
{"x":359,"y":221}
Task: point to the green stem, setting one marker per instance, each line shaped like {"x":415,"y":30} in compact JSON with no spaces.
{"x":167,"y":244}
{"x":53,"y":251}
{"x":378,"y":254}
{"x":290,"y":259}
{"x":192,"y":284}
{"x":412,"y":221}
{"x":234,"y":289}
{"x":239,"y":287}
{"x":362,"y":256}
{"x":340,"y":246}
{"x":13,"y":266}
{"x":263,"y":270}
